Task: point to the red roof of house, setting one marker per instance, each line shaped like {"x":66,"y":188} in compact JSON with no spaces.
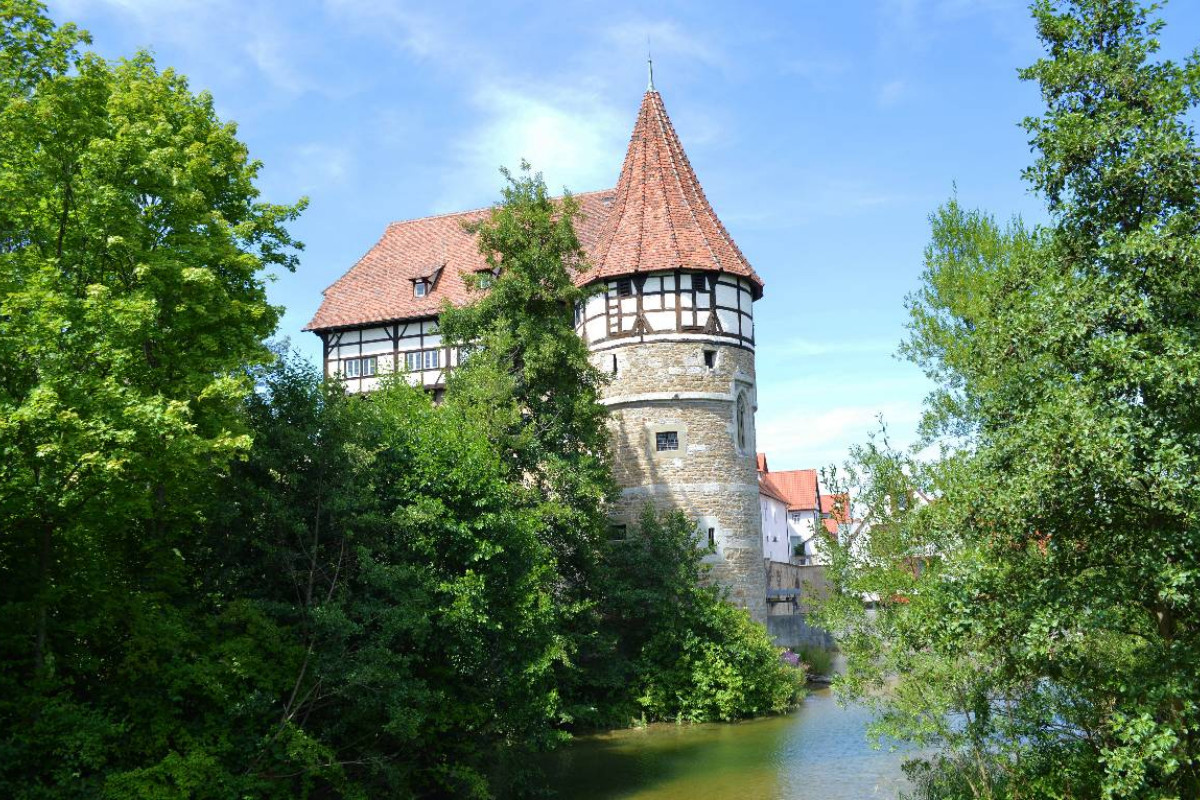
{"x":657,"y":218}
{"x":798,"y":487}
{"x":762,"y":462}
{"x":379,"y":288}
{"x":661,"y":219}
{"x":837,"y":506}
{"x":765,"y":487}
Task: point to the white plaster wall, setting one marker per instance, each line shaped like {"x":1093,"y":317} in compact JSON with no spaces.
{"x":776,"y":546}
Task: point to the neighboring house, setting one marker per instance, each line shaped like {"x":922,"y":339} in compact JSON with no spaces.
{"x":773,"y":507}
{"x":835,"y":515}
{"x":671,"y":321}
{"x":813,"y":517}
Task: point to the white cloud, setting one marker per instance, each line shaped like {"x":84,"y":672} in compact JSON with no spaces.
{"x":227,"y":38}
{"x":419,"y":33}
{"x":575,"y":140}
{"x":805,"y":438}
{"x":308,"y":169}
{"x":274,"y":59}
{"x":916,"y":24}
{"x":662,"y":39}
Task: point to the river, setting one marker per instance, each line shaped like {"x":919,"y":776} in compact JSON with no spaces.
{"x":818,"y":752}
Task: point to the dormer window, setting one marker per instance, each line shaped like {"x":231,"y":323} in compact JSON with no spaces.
{"x":420,"y":288}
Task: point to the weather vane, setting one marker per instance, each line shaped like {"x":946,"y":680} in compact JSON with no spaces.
{"x":649,"y":66}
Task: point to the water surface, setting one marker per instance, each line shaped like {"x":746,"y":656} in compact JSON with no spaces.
{"x":818,"y":752}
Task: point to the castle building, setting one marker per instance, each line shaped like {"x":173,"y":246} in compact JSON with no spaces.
{"x":672,"y":322}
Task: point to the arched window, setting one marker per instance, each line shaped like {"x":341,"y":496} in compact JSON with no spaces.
{"x":743,"y":423}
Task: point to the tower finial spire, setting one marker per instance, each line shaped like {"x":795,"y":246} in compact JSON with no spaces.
{"x":649,"y":67}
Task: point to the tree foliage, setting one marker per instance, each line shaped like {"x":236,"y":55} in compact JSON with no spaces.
{"x":132,"y":251}
{"x":681,"y":651}
{"x":221,"y":576}
{"x":1037,"y":585}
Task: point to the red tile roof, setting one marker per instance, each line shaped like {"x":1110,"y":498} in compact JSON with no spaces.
{"x":798,"y":487}
{"x":657,"y":218}
{"x":837,"y":506}
{"x":379,"y":288}
{"x":765,"y":487}
{"x":661,"y":218}
{"x":762,"y":462}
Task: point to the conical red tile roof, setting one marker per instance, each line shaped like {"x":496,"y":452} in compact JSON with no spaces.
{"x":660,"y":219}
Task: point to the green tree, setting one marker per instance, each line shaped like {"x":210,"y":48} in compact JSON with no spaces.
{"x":680,"y":650}
{"x":1037,"y":585}
{"x":528,"y":372}
{"x":381,"y":540}
{"x":132,"y":251}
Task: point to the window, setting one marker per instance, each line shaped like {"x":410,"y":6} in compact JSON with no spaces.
{"x":359,"y":367}
{"x":420,"y":289}
{"x":616,"y":533}
{"x":699,"y":283}
{"x":666,"y":440}
{"x":614,"y":366}
{"x":712,"y":537}
{"x":743,"y":423}
{"x":624,"y":287}
{"x":417,"y":360}
{"x":486,"y":279}
{"x":710,"y":358}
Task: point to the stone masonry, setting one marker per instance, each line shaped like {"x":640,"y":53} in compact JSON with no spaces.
{"x":665,"y":386}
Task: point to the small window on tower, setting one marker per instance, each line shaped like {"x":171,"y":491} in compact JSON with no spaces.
{"x":617,"y":533}
{"x":710,"y":358}
{"x":712,"y":537}
{"x":624,"y":287}
{"x":699,"y":283}
{"x":614,"y":366}
{"x":743,"y":423}
{"x":666,"y":440}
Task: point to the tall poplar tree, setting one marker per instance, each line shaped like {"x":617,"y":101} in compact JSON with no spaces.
{"x":1039,"y":586}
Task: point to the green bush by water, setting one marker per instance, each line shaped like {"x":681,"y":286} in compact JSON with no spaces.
{"x":819,"y":660}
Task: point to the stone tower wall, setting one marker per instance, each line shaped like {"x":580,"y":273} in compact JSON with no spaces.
{"x":662,"y":386}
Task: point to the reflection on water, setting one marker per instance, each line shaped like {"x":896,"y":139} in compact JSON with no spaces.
{"x":818,"y":753}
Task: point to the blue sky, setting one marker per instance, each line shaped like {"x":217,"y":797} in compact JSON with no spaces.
{"x":824,"y":134}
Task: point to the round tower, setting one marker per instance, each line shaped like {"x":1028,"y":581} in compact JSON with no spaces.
{"x":673,"y":323}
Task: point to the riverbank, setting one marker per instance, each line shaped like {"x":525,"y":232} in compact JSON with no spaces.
{"x":818,"y":752}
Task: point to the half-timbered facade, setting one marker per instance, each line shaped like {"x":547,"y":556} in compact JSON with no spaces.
{"x":672,"y":322}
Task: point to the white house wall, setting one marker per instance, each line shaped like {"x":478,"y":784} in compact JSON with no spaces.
{"x":390,"y":346}
{"x":776,"y":545}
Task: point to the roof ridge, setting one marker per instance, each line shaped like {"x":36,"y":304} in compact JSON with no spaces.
{"x":672,"y":139}
{"x":670,"y":222}
{"x":463,"y":213}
